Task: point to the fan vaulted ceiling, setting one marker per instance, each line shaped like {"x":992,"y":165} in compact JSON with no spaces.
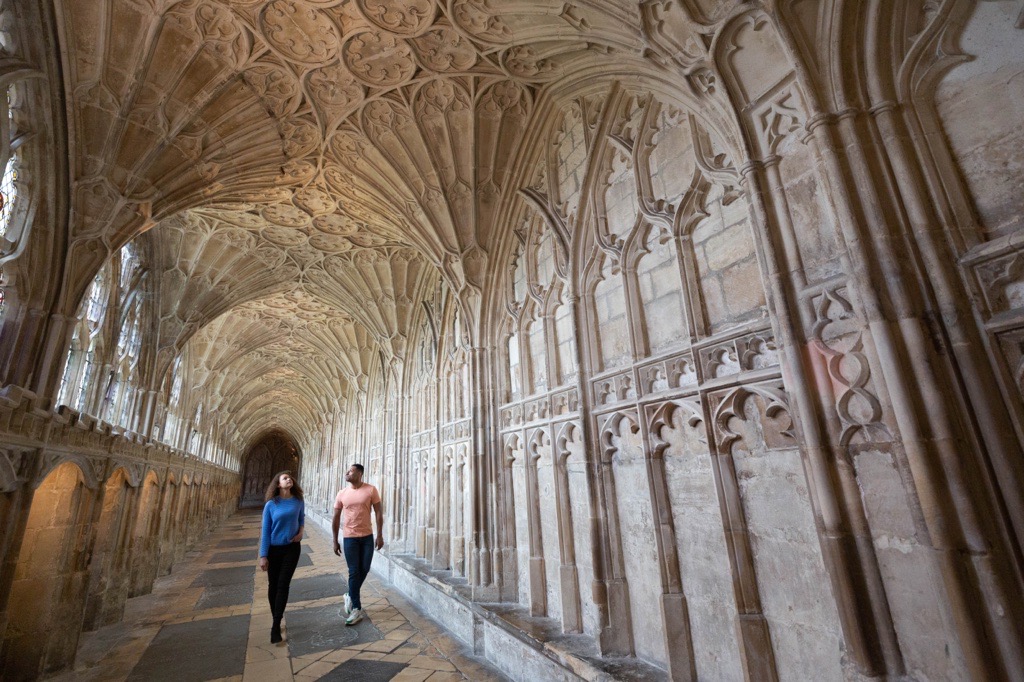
{"x":306,"y":168}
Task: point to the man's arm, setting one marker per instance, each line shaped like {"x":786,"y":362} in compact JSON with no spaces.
{"x":336,"y":526}
{"x":378,"y":508}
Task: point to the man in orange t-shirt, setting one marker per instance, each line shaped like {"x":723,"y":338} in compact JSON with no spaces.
{"x":356,"y":501}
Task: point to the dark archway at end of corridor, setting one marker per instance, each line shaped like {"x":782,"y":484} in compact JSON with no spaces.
{"x":274,"y":452}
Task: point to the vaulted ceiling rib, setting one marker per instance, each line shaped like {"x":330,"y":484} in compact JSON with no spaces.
{"x":306,"y":169}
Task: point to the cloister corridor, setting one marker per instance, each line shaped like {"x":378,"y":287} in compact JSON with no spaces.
{"x":208,"y":621}
{"x":682,"y":340}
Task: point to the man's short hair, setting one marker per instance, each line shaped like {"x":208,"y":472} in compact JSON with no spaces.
{"x":359,"y":466}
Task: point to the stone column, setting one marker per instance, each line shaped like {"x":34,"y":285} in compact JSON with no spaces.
{"x":961,"y":517}
{"x":609,"y":591}
{"x":674,"y":607}
{"x":845,"y":537}
{"x":15,"y":505}
{"x":25,"y":347}
{"x":48,"y":366}
{"x":486,"y":575}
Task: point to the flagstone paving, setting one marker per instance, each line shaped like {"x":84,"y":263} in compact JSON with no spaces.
{"x":209,"y":620}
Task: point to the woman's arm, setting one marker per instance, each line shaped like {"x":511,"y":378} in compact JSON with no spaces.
{"x":265,"y":537}
{"x":302,"y":522}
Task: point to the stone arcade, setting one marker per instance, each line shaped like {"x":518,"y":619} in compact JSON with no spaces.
{"x":686,"y":335}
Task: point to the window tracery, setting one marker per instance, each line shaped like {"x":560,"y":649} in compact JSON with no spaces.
{"x":172,"y":419}
{"x":102,"y":374}
{"x":81,"y":370}
{"x":10,"y":163}
{"x":17,"y":110}
{"x":658,"y":291}
{"x":536,"y":352}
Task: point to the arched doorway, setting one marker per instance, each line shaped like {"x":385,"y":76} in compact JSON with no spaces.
{"x":108,"y":582}
{"x":275,"y":452}
{"x":145,"y":543}
{"x":48,"y":590}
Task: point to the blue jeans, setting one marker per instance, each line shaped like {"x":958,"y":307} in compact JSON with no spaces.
{"x":358,"y":555}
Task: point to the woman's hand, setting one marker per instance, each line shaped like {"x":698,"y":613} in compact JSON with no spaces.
{"x":298,"y":536}
{"x":263,"y":563}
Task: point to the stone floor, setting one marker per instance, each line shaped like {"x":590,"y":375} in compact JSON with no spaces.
{"x":209,"y":620}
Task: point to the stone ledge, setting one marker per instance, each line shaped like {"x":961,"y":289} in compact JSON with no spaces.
{"x":524,"y":648}
{"x":501,"y":643}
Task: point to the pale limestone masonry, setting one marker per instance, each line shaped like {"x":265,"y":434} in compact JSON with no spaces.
{"x":683,"y":338}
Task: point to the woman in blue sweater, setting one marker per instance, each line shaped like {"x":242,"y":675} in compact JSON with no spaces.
{"x":284,"y":517}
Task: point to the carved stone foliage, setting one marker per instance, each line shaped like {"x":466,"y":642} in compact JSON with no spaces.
{"x":300,"y":32}
{"x":836,"y":337}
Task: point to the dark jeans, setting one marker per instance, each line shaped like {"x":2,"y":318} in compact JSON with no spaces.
{"x":282,"y":559}
{"x":358,"y":555}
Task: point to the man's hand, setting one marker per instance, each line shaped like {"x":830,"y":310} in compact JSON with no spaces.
{"x":337,"y":548}
{"x":263,"y":563}
{"x":380,"y":542}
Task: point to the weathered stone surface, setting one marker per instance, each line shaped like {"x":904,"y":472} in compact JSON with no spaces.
{"x":310,"y":630}
{"x":201,"y":650}
{"x":689,"y":333}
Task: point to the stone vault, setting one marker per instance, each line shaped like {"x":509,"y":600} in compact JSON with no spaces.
{"x":689,"y":331}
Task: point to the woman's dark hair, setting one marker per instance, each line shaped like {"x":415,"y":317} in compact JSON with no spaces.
{"x":275,"y":486}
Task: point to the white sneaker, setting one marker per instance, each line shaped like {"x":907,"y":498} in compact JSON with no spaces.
{"x":357,"y":615}
{"x":347,"y":608}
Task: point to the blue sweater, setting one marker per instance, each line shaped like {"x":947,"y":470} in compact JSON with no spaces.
{"x":282,"y":519}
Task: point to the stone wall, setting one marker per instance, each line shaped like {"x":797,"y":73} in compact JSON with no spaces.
{"x":88,"y":518}
{"x":688,"y":334}
{"x":726,"y":360}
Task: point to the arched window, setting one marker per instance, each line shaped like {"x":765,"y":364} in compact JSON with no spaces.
{"x":101,"y":372}
{"x":128,"y":362}
{"x":565,"y":343}
{"x":27,"y":140}
{"x":129,"y":265}
{"x":515,"y":378}
{"x":80,"y":368}
{"x":612,"y":320}
{"x":195,"y":440}
{"x":3,"y":297}
{"x":173,"y":419}
{"x":661,"y":291}
{"x":10,"y":163}
{"x":11,"y":221}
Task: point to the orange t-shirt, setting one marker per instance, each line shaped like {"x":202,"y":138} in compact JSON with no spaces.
{"x":357,"y":503}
